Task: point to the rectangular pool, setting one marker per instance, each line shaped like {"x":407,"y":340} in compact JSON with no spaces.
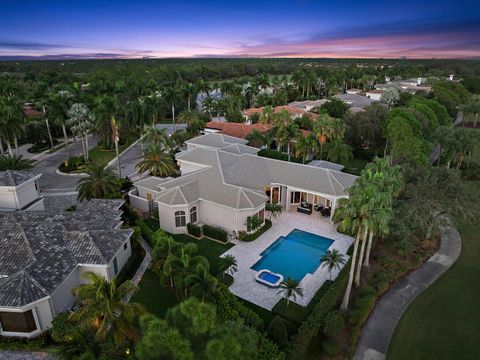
{"x":294,"y":255}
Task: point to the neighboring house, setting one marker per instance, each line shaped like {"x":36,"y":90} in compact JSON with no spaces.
{"x":307,"y":105}
{"x":215,"y":94}
{"x":375,"y":95}
{"x":354,"y":91}
{"x":237,"y":130}
{"x":410,"y":85}
{"x":19,"y":190}
{"x":355,"y":101}
{"x":224,"y":182}
{"x":293,"y":111}
{"x":43,"y":255}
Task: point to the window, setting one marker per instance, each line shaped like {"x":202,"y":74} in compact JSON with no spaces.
{"x":295,"y":197}
{"x":21,"y":322}
{"x":180,"y":218}
{"x":193,"y":214}
{"x":125,"y":246}
{"x":115,"y":266}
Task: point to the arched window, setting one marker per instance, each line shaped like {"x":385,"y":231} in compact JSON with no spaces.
{"x":193,"y":214}
{"x":180,"y":218}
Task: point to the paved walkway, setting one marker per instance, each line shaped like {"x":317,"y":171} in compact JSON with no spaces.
{"x":378,"y":331}
{"x":248,"y":253}
{"x":144,"y":265}
{"x":24,"y":355}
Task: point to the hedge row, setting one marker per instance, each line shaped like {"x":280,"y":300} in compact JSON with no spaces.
{"x":256,"y":234}
{"x":194,"y":230}
{"x":274,"y":154}
{"x":315,"y":321}
{"x":147,"y":232}
{"x":215,"y":233}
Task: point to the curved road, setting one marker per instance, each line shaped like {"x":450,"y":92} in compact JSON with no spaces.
{"x":50,"y":180}
{"x":378,"y":330}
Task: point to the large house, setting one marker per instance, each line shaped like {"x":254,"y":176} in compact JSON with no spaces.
{"x":292,"y":110}
{"x":43,"y":255}
{"x":19,"y":190}
{"x":224,"y":182}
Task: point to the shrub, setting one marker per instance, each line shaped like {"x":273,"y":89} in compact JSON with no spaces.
{"x":315,"y":321}
{"x":333,"y":324}
{"x":268,"y":350}
{"x":8,"y":343}
{"x":273,"y":154}
{"x":277,"y":331}
{"x":362,"y":306}
{"x":194,"y":230}
{"x":60,"y":327}
{"x":215,"y":233}
{"x":147,"y":232}
{"x":72,"y":164}
{"x":250,"y":237}
{"x":331,"y":348}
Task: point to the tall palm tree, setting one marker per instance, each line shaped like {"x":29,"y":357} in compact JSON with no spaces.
{"x":172,"y":96}
{"x":338,"y":151}
{"x":11,"y":118}
{"x":104,"y":307}
{"x":285,"y":134}
{"x":203,"y":86}
{"x":250,"y":91}
{"x":80,"y":123}
{"x":154,"y":135}
{"x":290,"y":289}
{"x":188,"y":117}
{"x":190,"y":91}
{"x":156,"y":162}
{"x":58,"y":105}
{"x":267,"y":116}
{"x":332,"y":259}
{"x":99,"y":182}
{"x":104,"y":109}
{"x":228,"y":264}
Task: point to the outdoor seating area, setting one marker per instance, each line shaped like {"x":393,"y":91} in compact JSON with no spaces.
{"x":304,"y":208}
{"x":323,"y":210}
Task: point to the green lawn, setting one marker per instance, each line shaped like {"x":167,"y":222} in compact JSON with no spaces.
{"x":157,"y":299}
{"x":444,"y":321}
{"x":153,"y":296}
{"x":105,"y":156}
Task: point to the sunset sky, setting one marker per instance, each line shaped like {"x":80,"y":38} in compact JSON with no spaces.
{"x":277,"y":28}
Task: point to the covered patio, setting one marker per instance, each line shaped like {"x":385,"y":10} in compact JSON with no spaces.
{"x":302,"y":201}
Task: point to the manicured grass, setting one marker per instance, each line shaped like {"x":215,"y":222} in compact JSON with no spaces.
{"x":208,"y":248}
{"x":105,"y":156}
{"x":153,"y":296}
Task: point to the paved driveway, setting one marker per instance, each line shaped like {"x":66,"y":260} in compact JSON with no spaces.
{"x":50,"y":180}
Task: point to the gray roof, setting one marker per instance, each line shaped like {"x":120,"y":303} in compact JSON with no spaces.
{"x":16,"y":177}
{"x":215,"y":140}
{"x":326,"y":165}
{"x":40,"y":249}
{"x":238,"y":180}
{"x":355,"y":100}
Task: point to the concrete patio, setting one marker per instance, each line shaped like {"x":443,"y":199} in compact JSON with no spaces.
{"x":248,"y":253}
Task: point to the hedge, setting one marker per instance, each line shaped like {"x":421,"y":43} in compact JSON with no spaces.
{"x":147,"y":232}
{"x":215,"y":233}
{"x":274,"y":154}
{"x":194,"y":230}
{"x":256,"y":234}
{"x":315,"y":321}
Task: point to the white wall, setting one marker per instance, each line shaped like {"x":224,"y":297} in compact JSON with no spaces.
{"x":42,"y":314}
{"x":138,"y":202}
{"x":122,"y":256}
{"x":186,"y":168}
{"x":7,"y":199}
{"x":166,"y":216}
{"x":26,"y":193}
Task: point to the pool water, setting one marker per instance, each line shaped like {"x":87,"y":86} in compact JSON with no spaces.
{"x":294,"y":255}
{"x":269,"y":277}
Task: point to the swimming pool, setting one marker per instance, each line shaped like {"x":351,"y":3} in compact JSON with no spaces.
{"x":294,"y":255}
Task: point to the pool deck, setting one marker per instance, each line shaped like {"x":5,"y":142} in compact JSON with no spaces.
{"x":248,"y":253}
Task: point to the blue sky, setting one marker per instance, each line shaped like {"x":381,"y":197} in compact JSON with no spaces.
{"x":297,"y":28}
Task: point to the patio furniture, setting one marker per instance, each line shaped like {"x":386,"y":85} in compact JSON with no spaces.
{"x":318,"y":207}
{"x":326,"y":212}
{"x":305,"y":208}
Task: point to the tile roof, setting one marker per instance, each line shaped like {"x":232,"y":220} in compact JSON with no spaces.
{"x":326,"y":165}
{"x":16,"y":177}
{"x":236,"y":129}
{"x":355,"y":100}
{"x":291,"y":110}
{"x":238,"y":180}
{"x":216,"y":140}
{"x":40,"y":249}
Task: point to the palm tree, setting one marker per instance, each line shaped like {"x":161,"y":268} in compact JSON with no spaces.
{"x":172,"y":95}
{"x":250,"y":91}
{"x":332,"y":259}
{"x":228,"y":264}
{"x":156,"y":162}
{"x":154,"y":135}
{"x":339,"y":152}
{"x":58,"y":104}
{"x":105,"y":308}
{"x":190,"y":91}
{"x":203,"y":86}
{"x":267,"y":116}
{"x":290,"y":288}
{"x":80,"y":123}
{"x":11,"y":118}
{"x":99,"y":182}
{"x":285,"y":133}
{"x":324,"y":129}
{"x":256,"y":138}
{"x":13,"y":162}
{"x":188,"y":117}
{"x":201,"y":283}
{"x":274,"y":209}
{"x":105,"y":108}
